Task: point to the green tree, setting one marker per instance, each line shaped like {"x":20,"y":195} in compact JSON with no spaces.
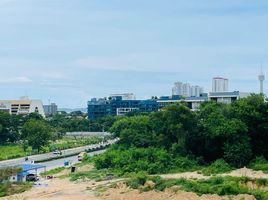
{"x":173,"y":126}
{"x":219,"y":134}
{"x":9,"y":128}
{"x":133,"y":131}
{"x":253,"y":111}
{"x":37,"y":133}
{"x":238,"y":151}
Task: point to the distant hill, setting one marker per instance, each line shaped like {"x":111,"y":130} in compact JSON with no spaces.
{"x":69,"y":110}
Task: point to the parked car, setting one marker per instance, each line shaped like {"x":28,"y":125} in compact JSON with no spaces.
{"x":32,"y":177}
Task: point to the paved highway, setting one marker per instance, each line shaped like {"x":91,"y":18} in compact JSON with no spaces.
{"x":60,"y":162}
{"x":72,"y":160}
{"x":19,"y":161}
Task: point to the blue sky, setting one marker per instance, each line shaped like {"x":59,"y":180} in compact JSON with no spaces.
{"x":69,"y":51}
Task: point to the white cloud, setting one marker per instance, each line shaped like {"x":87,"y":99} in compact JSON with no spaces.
{"x":20,"y":79}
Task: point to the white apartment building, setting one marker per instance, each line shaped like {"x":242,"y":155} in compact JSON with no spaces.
{"x":22,"y":106}
{"x":186,"y":90}
{"x":177,"y":88}
{"x":220,"y":84}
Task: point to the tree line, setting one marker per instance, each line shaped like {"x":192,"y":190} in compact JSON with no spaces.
{"x":236,"y":132}
{"x":35,"y":131}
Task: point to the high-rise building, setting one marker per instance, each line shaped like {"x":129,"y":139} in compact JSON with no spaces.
{"x":220,"y":84}
{"x":23,"y":106}
{"x":186,"y":90}
{"x":261,"y":79}
{"x":50,"y":109}
{"x":196,"y":91}
{"x":177,"y":89}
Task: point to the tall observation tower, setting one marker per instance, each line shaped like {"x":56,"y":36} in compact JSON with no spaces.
{"x":261,"y":79}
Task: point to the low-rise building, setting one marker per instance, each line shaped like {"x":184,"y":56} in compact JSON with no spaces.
{"x":192,"y":102}
{"x":23,"y":106}
{"x":116,"y":105}
{"x":227,"y":97}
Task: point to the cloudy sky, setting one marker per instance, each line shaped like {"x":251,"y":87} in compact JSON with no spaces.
{"x":69,"y":51}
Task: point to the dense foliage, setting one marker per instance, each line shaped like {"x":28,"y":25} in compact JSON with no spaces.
{"x":235,"y":132}
{"x":150,"y":160}
{"x":36,"y":133}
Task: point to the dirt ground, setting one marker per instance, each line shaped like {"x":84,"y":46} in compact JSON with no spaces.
{"x":236,"y":173}
{"x":63,"y":189}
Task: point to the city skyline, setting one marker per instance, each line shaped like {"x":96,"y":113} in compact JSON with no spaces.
{"x":69,"y":53}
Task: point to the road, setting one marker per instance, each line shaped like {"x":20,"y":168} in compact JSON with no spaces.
{"x":60,"y":162}
{"x":18,"y":161}
{"x":72,"y":160}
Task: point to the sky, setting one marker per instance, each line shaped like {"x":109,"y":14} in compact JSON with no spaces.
{"x":69,"y":51}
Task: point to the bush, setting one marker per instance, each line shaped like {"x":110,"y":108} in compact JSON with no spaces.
{"x":137,"y":180}
{"x":259,"y":163}
{"x":182,"y":164}
{"x":217,"y":167}
{"x":150,"y":160}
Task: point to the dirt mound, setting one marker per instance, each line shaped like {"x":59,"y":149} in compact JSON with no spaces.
{"x":247,"y":172}
{"x":58,"y":189}
{"x":115,"y":194}
{"x":236,"y":173}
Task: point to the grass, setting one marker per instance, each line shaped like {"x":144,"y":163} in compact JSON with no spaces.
{"x":53,"y":171}
{"x":93,"y":174}
{"x":13,"y":151}
{"x":222,"y":186}
{"x":7,"y":189}
{"x":69,"y":142}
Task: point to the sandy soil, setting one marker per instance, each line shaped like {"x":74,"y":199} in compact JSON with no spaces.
{"x":58,"y":189}
{"x":63,"y":189}
{"x":187,"y":175}
{"x":247,"y":172}
{"x":237,"y":173}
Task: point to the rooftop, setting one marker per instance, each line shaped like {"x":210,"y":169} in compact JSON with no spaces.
{"x":29,"y":167}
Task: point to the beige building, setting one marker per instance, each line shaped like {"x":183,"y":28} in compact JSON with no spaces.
{"x":23,"y":106}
